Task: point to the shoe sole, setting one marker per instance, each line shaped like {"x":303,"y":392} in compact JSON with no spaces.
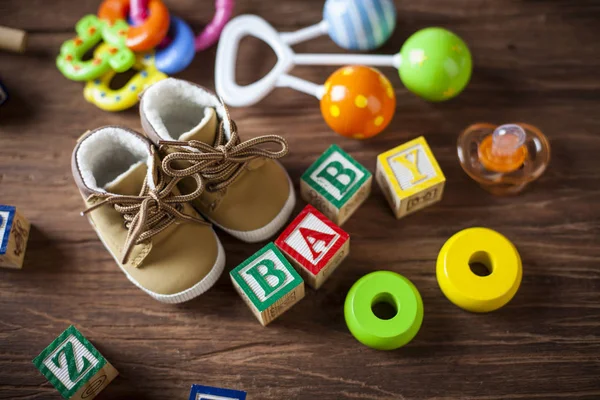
{"x":264,"y":233}
{"x":188,"y":294}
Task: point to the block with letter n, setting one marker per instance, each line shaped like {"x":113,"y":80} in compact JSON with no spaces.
{"x":14,"y":232}
{"x":200,"y":392}
{"x":268,"y":284}
{"x":314,"y":245}
{"x":410,"y":177}
{"x":74,"y":366}
{"x":336,"y":184}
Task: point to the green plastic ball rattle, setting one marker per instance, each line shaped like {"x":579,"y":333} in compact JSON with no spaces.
{"x":387,"y":287}
{"x":436,"y":64}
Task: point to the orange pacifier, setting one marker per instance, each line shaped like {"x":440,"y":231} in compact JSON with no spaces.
{"x":503,"y":159}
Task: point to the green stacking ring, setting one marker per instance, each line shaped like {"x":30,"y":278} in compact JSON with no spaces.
{"x":388,"y":287}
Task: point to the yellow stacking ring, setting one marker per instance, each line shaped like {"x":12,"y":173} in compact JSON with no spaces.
{"x":470,"y":291}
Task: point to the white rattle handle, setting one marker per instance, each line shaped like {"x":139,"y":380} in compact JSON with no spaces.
{"x":304,"y":34}
{"x":244,"y":25}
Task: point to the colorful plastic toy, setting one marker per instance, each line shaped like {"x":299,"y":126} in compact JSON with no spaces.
{"x":383,"y":287}
{"x":211,"y":32}
{"x":468,"y":290}
{"x":178,"y":54}
{"x":74,"y":367}
{"x":142,"y":37}
{"x":503,"y":159}
{"x":433,"y":63}
{"x":336,"y":184}
{"x":314,"y":245}
{"x":410,"y":177}
{"x":91,"y":31}
{"x":358,"y":102}
{"x":98,"y":91}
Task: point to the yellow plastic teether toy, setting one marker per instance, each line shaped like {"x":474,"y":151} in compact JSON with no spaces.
{"x":98,"y":91}
{"x":479,"y":292}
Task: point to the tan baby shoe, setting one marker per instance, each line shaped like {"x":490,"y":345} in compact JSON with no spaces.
{"x":248,"y":194}
{"x":164,"y":247}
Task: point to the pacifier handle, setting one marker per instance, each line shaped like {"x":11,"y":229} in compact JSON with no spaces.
{"x":212,"y":31}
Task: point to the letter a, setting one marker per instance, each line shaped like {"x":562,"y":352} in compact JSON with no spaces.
{"x":67,"y":350}
{"x":339,"y":172}
{"x":411,"y":165}
{"x":262,"y":278}
{"x":316,"y":237}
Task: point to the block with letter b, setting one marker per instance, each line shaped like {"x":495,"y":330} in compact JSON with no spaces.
{"x":314,"y":245}
{"x":74,"y":366}
{"x":268,"y":283}
{"x":336,"y":184}
{"x":410,"y":177}
{"x":14,"y":232}
{"x":200,"y":392}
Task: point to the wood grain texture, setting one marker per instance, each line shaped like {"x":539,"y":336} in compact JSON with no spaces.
{"x":535,"y":61}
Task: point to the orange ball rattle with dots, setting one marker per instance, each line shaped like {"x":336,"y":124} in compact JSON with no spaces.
{"x":358,"y":102}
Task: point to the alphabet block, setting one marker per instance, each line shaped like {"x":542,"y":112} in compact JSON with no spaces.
{"x":268,"y":284}
{"x":14,"y":232}
{"x":410,"y":177}
{"x":74,"y":366}
{"x":336,"y":184}
{"x":314,"y":245}
{"x":200,"y":392}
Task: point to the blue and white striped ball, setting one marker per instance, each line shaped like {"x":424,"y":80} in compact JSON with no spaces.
{"x":360,"y":24}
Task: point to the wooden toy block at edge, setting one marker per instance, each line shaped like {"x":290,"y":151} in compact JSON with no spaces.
{"x":200,"y":392}
{"x":74,"y":366}
{"x":271,"y":290}
{"x":14,"y":232}
{"x":410,"y":177}
{"x":336,"y":184}
{"x":314,"y":245}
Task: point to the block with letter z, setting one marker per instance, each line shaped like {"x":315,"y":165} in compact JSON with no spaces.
{"x":74,"y":366}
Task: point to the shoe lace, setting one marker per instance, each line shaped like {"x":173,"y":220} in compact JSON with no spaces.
{"x":223,"y":162}
{"x":152,"y":211}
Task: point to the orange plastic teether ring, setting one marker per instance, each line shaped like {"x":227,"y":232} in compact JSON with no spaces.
{"x":145,"y":36}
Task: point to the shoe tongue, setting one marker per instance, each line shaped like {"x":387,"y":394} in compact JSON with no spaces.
{"x":130,"y":182}
{"x":205,"y":131}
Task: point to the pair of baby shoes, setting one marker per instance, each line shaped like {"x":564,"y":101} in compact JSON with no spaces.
{"x":153,"y":200}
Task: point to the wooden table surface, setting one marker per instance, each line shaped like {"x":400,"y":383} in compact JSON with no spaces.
{"x":535,"y":61}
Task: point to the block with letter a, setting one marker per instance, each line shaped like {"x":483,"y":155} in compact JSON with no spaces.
{"x":336,"y":184}
{"x":314,"y":245}
{"x":268,"y":284}
{"x":410,"y":177}
{"x":200,"y":392}
{"x":74,"y":366}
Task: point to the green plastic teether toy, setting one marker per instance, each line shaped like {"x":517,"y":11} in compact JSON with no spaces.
{"x":90,"y":31}
{"x":388,"y":287}
{"x":436,"y":64}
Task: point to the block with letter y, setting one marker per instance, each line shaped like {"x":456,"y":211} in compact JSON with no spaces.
{"x":268,"y":284}
{"x":314,"y":245}
{"x":200,"y":392}
{"x":410,"y":177}
{"x":74,"y":366}
{"x":336,"y":184}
